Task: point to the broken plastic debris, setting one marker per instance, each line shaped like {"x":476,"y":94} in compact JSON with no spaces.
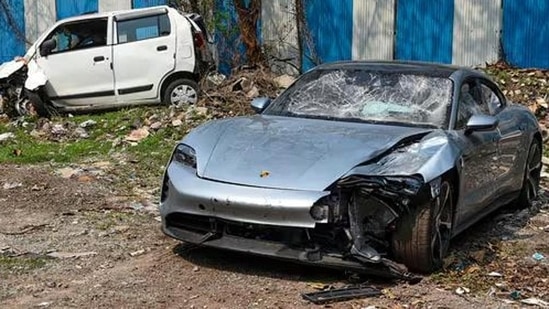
{"x":6,"y":136}
{"x":538,"y":256}
{"x":341,"y":294}
{"x":462,"y":290}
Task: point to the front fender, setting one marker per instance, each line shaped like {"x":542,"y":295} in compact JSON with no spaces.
{"x":36,"y":77}
{"x":430,"y":157}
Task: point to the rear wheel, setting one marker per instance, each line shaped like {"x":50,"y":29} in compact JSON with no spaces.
{"x":532,"y":171}
{"x":422,"y":238}
{"x":180,"y":92}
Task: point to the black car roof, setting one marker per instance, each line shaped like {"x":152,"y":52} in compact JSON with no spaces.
{"x":422,"y":68}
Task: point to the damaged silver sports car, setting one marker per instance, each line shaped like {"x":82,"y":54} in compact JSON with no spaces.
{"x":366,"y":166}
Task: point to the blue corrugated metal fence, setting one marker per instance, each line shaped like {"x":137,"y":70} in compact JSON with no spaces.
{"x":68,"y":8}
{"x":12,"y":30}
{"x":330,"y":25}
{"x":136,"y":4}
{"x":526,"y":32}
{"x":424,"y":30}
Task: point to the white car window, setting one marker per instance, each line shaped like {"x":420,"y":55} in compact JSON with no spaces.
{"x":143,"y":28}
{"x":80,"y":35}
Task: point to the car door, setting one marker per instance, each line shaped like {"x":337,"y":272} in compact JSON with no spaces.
{"x":511,"y":138}
{"x":143,"y":54}
{"x":479,"y":161}
{"x":78,"y":68}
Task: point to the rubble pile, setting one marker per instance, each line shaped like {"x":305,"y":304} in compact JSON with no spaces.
{"x":226,"y":97}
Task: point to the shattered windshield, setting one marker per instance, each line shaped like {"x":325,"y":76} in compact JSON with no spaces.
{"x":370,"y":96}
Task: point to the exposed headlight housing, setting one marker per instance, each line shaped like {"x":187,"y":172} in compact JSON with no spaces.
{"x":185,"y":155}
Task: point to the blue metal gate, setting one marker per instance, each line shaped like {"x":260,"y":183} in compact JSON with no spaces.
{"x":136,"y":4}
{"x":424,"y":30}
{"x":526,"y":33}
{"x":68,"y":8}
{"x":12,"y":30}
{"x":330,"y":26}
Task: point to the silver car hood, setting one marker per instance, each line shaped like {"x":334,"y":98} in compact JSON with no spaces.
{"x":289,"y":153}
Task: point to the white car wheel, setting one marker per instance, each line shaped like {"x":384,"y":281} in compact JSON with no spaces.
{"x":181,"y":92}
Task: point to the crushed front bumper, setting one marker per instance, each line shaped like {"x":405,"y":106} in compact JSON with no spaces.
{"x":261,"y":221}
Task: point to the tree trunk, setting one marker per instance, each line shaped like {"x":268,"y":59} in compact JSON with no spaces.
{"x":247,"y":21}
{"x":195,"y":7}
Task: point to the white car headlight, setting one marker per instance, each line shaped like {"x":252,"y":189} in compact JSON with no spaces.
{"x":185,"y":155}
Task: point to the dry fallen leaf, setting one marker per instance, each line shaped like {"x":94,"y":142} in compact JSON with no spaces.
{"x":137,"y":135}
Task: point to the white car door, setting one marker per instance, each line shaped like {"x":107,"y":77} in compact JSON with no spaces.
{"x":143,"y":53}
{"x":78,"y":69}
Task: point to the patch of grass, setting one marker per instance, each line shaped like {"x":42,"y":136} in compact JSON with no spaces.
{"x":105,"y":221}
{"x":21,"y":264}
{"x":105,"y":141}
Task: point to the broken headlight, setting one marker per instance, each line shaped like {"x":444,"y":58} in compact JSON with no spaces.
{"x":185,"y":155}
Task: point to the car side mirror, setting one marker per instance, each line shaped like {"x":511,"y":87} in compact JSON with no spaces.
{"x":259,"y":104}
{"x":480,"y":123}
{"x":47,"y":46}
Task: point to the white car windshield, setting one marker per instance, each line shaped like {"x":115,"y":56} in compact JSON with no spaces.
{"x":369,"y":96}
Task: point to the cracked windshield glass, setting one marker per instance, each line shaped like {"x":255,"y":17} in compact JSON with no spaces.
{"x":359,"y":95}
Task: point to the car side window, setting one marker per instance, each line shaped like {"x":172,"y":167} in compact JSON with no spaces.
{"x":143,"y":28}
{"x":80,"y":35}
{"x":470,"y":103}
{"x":491,"y":99}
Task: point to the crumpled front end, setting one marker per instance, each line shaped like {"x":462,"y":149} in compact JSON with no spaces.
{"x":348,"y":226}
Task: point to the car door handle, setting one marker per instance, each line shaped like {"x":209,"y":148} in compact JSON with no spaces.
{"x":98,"y":58}
{"x":161,"y":48}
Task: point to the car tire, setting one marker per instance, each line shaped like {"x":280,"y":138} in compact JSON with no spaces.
{"x":180,"y":92}
{"x":422,"y":238}
{"x":531,"y":180}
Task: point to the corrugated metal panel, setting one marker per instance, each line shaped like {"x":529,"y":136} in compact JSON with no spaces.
{"x":68,"y":8}
{"x":330,"y":24}
{"x":147,"y":3}
{"x":279,"y":33}
{"x":477,"y":26}
{"x":39,"y":16}
{"x":526,"y":32}
{"x":114,"y":5}
{"x":373,"y":29}
{"x":12,"y":30}
{"x":424,"y":30}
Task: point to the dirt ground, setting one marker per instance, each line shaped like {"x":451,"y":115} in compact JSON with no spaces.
{"x":78,"y":243}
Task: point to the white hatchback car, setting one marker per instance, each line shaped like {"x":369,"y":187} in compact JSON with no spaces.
{"x":107,"y":60}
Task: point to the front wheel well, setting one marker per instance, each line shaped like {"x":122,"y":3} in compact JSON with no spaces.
{"x":174,"y":76}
